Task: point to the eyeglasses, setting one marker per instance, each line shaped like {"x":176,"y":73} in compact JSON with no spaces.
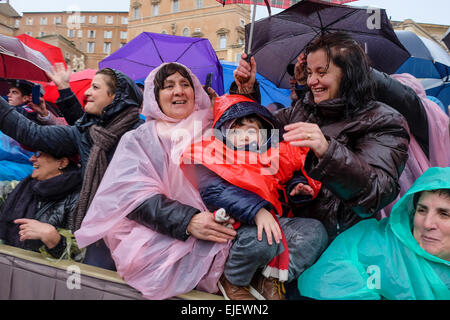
{"x":37,"y":154}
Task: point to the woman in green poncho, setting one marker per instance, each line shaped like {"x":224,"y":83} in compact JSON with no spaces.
{"x":405,"y":256}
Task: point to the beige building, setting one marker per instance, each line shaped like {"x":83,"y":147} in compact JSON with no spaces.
{"x":74,"y":58}
{"x":9,"y":19}
{"x":433,"y":32}
{"x":95,"y":34}
{"x":222,"y":25}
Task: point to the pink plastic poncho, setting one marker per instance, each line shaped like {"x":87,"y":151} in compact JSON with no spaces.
{"x":146,"y":163}
{"x":439,"y":141}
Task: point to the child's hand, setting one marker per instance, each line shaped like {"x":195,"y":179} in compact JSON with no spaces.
{"x":265,"y":221}
{"x":302,"y":189}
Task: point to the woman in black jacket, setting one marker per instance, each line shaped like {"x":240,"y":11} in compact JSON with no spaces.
{"x":112,"y":109}
{"x":41,"y":206}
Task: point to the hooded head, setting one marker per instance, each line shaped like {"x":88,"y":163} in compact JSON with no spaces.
{"x":421,"y":218}
{"x":242,"y":123}
{"x":153,"y":108}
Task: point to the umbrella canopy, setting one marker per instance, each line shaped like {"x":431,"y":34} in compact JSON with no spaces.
{"x":278,"y":40}
{"x":18,"y":61}
{"x":428,"y":62}
{"x":446,"y":38}
{"x":148,"y":50}
{"x":52,"y":53}
{"x":79,"y":82}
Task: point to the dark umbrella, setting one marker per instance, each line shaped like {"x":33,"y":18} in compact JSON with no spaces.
{"x":149,"y":50}
{"x":428,"y":62}
{"x":278,"y":40}
{"x":446,"y":38}
{"x":18,"y":61}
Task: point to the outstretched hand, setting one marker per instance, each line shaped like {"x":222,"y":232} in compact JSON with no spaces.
{"x":60,"y":75}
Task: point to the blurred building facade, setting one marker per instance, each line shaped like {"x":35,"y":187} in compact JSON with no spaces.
{"x":224,"y":26}
{"x":95,"y":34}
{"x":9,"y":19}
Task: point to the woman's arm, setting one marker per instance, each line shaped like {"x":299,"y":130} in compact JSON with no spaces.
{"x":57,"y":140}
{"x":69,"y":106}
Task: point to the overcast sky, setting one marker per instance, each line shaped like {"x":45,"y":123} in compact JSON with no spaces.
{"x":426,"y":11}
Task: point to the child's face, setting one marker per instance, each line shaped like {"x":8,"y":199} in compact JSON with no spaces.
{"x":242,"y":135}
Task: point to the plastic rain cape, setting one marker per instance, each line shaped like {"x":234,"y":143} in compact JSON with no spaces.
{"x":382,"y":260}
{"x":146,"y":163}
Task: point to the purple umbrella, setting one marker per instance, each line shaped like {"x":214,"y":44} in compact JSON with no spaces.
{"x":148,"y":50}
{"x":18,"y":61}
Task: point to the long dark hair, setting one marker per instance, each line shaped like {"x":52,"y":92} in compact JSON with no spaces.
{"x":356,"y":87}
{"x":166,"y":71}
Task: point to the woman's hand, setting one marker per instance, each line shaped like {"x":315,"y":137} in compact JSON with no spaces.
{"x":266,"y":222}
{"x":302,"y":189}
{"x":203,"y":226}
{"x":40,"y":109}
{"x":31,"y":229}
{"x":303,"y":134}
{"x":60,"y":75}
{"x":245,"y":75}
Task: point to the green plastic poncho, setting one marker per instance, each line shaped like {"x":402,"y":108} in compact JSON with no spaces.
{"x":381,"y":259}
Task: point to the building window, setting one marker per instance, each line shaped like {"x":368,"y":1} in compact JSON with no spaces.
{"x":223,"y":41}
{"x":29,"y":33}
{"x":41,"y":34}
{"x":92,"y":19}
{"x":199,"y":3}
{"x":17,"y":24}
{"x":109,"y":20}
{"x":155,"y":9}
{"x":164,"y":32}
{"x":107,"y":47}
{"x":176,"y":6}
{"x":107,"y":34}
{"x":185,"y":32}
{"x":57,"y":20}
{"x":124,"y":20}
{"x":136,"y":13}
{"x":44,"y":21}
{"x":71,"y":33}
{"x":91,"y":33}
{"x":90,"y":47}
{"x":123,"y":34}
{"x":80,"y":33}
{"x":29,"y":21}
{"x":122,"y":44}
{"x":82,"y":19}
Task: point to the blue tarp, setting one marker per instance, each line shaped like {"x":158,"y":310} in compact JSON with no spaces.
{"x":14,"y":160}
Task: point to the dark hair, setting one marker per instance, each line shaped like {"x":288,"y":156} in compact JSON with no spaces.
{"x":440,"y":192}
{"x":111,"y":80}
{"x":356,"y":87}
{"x":166,"y":71}
{"x":250,"y":118}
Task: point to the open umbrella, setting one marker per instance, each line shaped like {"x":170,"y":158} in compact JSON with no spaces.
{"x":268,"y":3}
{"x":446,"y":38}
{"x":52,"y":53}
{"x":279,"y":39}
{"x":428,"y":62}
{"x":79,"y":82}
{"x":148,"y":50}
{"x":18,"y":61}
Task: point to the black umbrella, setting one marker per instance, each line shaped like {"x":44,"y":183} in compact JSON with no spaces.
{"x":279,"y":39}
{"x":446,"y":38}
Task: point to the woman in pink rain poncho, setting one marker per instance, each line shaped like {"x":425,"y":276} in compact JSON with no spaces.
{"x":438,"y":141}
{"x":162,"y":239}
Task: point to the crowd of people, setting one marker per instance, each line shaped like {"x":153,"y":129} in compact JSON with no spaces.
{"x":354,"y":175}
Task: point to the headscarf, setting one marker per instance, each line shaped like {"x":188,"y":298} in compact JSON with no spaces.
{"x":146,"y":163}
{"x":439,"y":141}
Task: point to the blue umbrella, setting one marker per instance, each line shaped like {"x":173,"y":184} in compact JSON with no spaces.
{"x":149,"y":50}
{"x":428,"y":62}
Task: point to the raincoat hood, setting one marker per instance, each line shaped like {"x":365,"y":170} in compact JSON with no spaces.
{"x":402,"y":215}
{"x":127,"y":95}
{"x":151,"y":108}
{"x":228,"y":108}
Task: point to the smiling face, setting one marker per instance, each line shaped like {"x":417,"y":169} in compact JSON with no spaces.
{"x":98,"y":96}
{"x":45,"y":166}
{"x":432,"y":224}
{"x":323,"y":79}
{"x":176,"y":97}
